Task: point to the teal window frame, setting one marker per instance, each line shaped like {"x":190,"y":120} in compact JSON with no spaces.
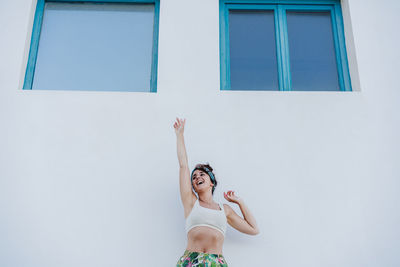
{"x":37,"y":25}
{"x":281,"y":34}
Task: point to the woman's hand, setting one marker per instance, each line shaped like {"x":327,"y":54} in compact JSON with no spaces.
{"x":179,"y":126}
{"x":230,"y":196}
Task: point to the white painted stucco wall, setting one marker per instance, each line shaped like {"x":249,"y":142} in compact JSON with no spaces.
{"x":91,"y":178}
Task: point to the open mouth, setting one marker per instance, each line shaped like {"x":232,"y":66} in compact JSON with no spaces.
{"x":199,"y":183}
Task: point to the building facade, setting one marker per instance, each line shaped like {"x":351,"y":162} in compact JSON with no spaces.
{"x":89,"y":174}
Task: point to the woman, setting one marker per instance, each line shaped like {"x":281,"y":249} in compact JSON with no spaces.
{"x":206,"y":220}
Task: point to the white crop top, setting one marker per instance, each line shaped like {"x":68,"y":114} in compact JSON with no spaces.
{"x":201,"y":216}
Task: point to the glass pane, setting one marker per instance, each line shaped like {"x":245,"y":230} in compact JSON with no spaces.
{"x":312,"y":51}
{"x":253,"y":63}
{"x":102,"y":47}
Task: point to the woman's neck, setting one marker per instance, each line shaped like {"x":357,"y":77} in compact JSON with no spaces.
{"x":206,"y":198}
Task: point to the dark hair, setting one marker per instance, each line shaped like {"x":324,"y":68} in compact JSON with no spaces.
{"x":203,"y":168}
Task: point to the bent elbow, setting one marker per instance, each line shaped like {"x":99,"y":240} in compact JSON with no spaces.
{"x":255,"y":232}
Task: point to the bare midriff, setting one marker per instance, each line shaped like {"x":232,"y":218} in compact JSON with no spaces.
{"x":205,"y":239}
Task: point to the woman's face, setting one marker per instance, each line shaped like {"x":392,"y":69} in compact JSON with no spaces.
{"x":201,"y":181}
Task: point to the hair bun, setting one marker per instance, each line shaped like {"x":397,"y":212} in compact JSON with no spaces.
{"x":208,"y":166}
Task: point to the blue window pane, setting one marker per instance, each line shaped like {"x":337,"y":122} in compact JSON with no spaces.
{"x":312,"y":52}
{"x":89,"y":46}
{"x":253,"y":64}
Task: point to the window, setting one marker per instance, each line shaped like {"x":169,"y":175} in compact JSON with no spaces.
{"x":94,"y":45}
{"x":287,"y":45}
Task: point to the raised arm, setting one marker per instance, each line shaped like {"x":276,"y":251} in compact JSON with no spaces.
{"x":187,"y":195}
{"x":180,"y":142}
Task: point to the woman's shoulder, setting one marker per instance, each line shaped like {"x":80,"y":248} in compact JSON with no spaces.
{"x":228,"y":209}
{"x":227,"y":206}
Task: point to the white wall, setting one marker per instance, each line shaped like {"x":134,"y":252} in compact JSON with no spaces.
{"x":91,"y":178}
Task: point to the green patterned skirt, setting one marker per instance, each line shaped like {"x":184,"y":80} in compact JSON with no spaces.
{"x":200,"y":259}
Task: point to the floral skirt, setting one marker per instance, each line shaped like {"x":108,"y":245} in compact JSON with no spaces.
{"x":200,"y":259}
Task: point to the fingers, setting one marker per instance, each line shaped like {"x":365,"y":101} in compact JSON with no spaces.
{"x":226,"y":196}
{"x":230,"y":194}
{"x":180,"y":120}
{"x":179,"y":123}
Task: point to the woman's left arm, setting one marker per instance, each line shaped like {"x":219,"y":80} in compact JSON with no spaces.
{"x":247,"y":225}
